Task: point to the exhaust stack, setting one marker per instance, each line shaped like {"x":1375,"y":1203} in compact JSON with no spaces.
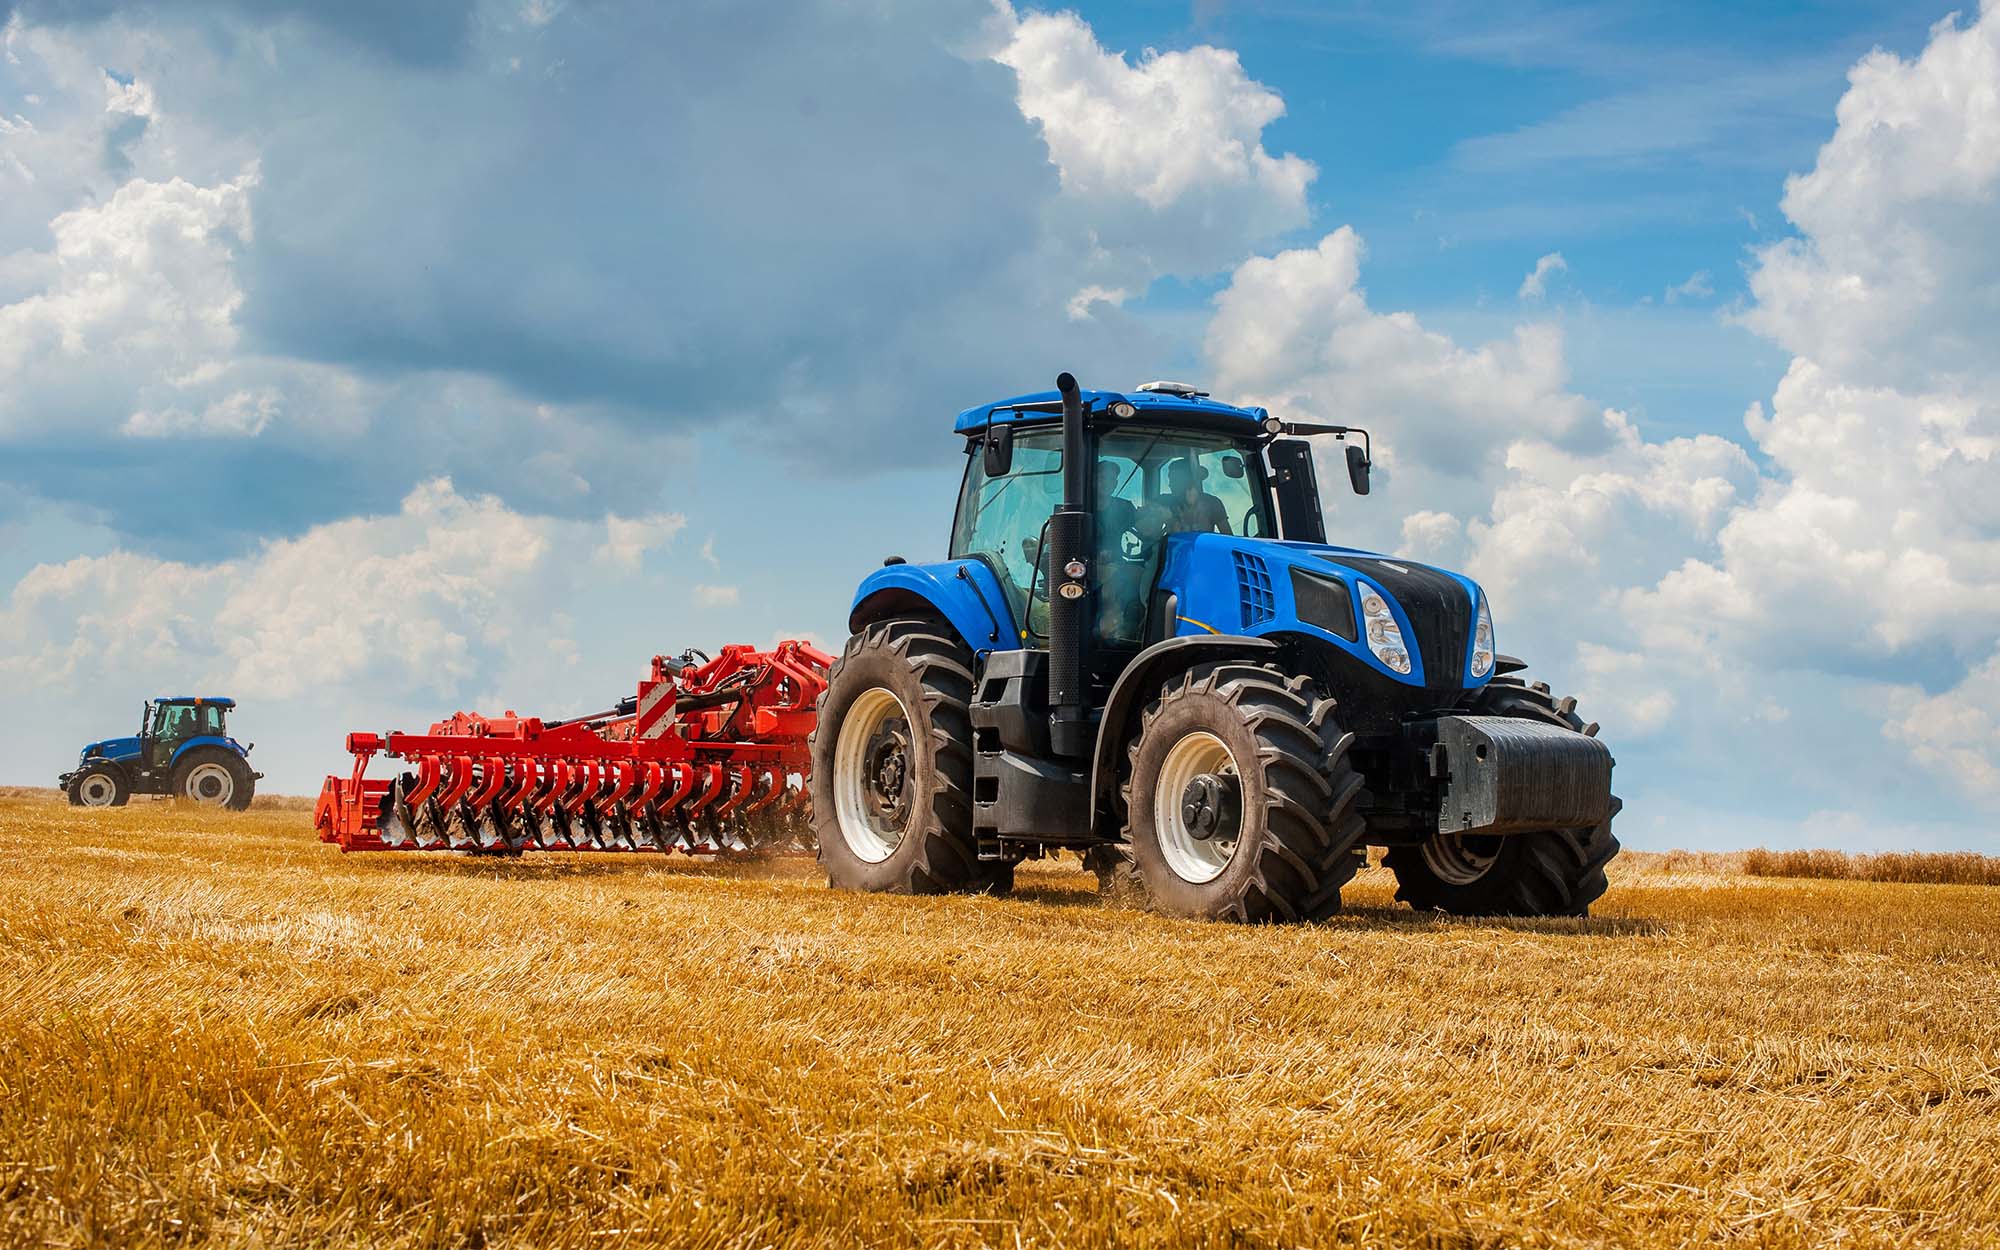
{"x":1070,"y":586}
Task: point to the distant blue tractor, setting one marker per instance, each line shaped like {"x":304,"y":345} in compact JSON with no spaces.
{"x":1143,"y":648}
{"x":183,"y":748}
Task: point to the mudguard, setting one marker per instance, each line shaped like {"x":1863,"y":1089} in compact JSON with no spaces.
{"x":964,"y":592}
{"x":1138,"y":682}
{"x":205,"y":740}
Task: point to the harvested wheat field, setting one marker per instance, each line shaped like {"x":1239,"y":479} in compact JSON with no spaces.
{"x":219,"y":1031}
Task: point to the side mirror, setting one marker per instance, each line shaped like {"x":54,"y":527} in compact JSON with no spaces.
{"x":1357,"y":469}
{"x":999,"y":450}
{"x":1232,"y":466}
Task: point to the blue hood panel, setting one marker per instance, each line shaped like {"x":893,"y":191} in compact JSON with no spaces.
{"x":113,"y":749}
{"x":1229,"y":585}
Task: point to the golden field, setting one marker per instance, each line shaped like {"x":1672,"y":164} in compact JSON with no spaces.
{"x":218,"y":1031}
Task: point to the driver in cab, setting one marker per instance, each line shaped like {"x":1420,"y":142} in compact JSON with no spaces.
{"x":1188,"y":507}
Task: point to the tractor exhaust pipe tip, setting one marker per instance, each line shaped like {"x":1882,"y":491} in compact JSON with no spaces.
{"x":1066,"y":384}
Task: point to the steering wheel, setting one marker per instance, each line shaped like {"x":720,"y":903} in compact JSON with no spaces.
{"x":1149,"y":530}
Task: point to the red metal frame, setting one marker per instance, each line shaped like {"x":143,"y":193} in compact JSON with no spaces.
{"x":708,"y":757}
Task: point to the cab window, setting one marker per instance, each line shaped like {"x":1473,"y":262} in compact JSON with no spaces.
{"x":1001,"y":519}
{"x":1153,"y":483}
{"x":1185,"y":481}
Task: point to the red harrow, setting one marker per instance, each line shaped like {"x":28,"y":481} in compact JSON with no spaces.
{"x":709,"y":757}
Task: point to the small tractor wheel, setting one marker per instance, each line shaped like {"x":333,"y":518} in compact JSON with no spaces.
{"x":99,"y":785}
{"x":215,"y":777}
{"x":1554,"y":872}
{"x":892,"y":765}
{"x":1241,"y":801}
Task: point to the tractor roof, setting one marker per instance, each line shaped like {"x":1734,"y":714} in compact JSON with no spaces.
{"x":1157,"y":405}
{"x":196,"y":698}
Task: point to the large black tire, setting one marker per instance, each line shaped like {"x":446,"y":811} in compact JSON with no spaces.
{"x":1557,"y":872}
{"x":214,"y":777}
{"x":99,"y":785}
{"x":904,"y":768}
{"x":1292,"y":792}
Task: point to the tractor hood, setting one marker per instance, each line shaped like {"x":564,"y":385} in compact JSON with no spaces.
{"x":1256,"y":586}
{"x":112,"y":749}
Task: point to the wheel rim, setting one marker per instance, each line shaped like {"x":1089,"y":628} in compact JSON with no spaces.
{"x":1197,"y":843}
{"x":97,"y":790}
{"x":1461,"y":859}
{"x":872,"y":762}
{"x":210,"y":783}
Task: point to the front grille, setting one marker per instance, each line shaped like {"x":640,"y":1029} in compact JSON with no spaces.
{"x":1439,"y":610}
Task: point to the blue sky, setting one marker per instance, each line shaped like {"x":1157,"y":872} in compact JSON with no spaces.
{"x":680,"y":301}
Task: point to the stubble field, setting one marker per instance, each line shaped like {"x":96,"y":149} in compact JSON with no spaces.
{"x":218,"y":1031}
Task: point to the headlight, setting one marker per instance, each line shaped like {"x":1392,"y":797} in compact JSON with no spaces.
{"x":1482,"y":641}
{"x":1384,"y":638}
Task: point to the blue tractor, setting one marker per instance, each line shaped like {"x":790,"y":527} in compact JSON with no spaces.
{"x":1143,"y":648}
{"x":183,"y":748}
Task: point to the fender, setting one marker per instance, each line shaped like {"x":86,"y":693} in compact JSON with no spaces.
{"x":964,"y":592}
{"x":123,"y":767}
{"x":205,"y":740}
{"x":1137,"y":683}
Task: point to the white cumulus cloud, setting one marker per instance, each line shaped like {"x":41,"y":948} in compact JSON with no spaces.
{"x":1536,"y":284}
{"x":140,"y":298}
{"x":1165,"y":153}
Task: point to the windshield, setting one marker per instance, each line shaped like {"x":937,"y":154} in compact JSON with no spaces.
{"x":1157,"y":482}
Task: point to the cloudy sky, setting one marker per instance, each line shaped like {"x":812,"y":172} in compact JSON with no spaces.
{"x":370,"y":361}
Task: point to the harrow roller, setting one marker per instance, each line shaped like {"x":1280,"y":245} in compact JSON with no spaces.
{"x":709,"y":757}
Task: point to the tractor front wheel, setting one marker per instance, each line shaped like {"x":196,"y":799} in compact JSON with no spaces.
{"x":99,"y":785}
{"x":1554,"y":872}
{"x":214,"y":777}
{"x":1241,"y":799}
{"x":892,"y":766}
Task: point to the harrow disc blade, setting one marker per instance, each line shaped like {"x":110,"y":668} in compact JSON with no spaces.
{"x":429,"y":828}
{"x":461,"y":828}
{"x":489,"y":834}
{"x":396,"y":831}
{"x":617,"y":829}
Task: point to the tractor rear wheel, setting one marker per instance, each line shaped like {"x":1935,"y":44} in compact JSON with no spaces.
{"x":99,"y":785}
{"x":892,"y":765}
{"x":1554,"y":872}
{"x":215,"y":777}
{"x":1241,"y":803}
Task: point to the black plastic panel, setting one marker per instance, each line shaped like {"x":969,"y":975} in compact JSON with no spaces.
{"x":1325,"y":602}
{"x":1300,"y":517}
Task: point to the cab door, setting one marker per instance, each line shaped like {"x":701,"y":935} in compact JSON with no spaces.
{"x":173,"y":724}
{"x":1002,"y":521}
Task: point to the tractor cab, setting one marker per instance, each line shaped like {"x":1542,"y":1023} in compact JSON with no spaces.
{"x":169,"y":722}
{"x":1186,"y":468}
